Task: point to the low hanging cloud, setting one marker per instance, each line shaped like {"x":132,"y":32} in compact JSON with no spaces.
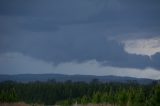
{"x":76,"y":43}
{"x":17,"y":63}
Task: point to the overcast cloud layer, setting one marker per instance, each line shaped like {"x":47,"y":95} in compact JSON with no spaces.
{"x":122,"y":34}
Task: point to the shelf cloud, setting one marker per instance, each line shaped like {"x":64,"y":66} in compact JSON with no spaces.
{"x":17,"y":63}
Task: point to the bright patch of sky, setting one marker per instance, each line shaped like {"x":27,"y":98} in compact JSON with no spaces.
{"x":148,"y":46}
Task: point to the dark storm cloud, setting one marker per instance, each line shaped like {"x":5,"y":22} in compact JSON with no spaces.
{"x":73,"y":11}
{"x":156,"y":60}
{"x":40,"y":26}
{"x":79,"y":30}
{"x":80,"y":48}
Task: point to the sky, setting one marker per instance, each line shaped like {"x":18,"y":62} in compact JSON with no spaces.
{"x":88,"y":37}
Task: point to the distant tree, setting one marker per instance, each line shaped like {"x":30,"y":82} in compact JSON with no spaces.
{"x":95,"y":81}
{"x":96,"y":97}
{"x":84,"y":100}
{"x":122,"y":97}
{"x":67,"y":93}
{"x":8,"y":96}
{"x":155,"y":97}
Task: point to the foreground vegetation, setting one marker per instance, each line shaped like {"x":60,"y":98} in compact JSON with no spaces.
{"x":68,"y":93}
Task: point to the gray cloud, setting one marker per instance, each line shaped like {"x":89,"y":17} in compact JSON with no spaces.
{"x":79,"y":30}
{"x":156,"y":60}
{"x":61,"y":48}
{"x":17,"y":63}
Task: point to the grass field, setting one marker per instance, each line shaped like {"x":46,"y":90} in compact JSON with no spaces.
{"x":24,"y":104}
{"x":19,"y":104}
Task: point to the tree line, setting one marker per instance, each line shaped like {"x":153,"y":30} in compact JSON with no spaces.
{"x":68,"y":93}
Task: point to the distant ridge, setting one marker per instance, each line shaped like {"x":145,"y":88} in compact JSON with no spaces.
{"x":74,"y":78}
